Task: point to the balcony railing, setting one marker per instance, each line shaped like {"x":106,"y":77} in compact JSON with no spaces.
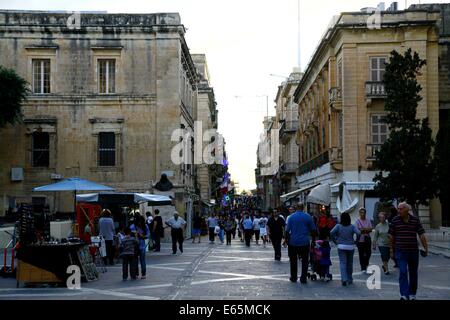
{"x":375,"y":89}
{"x":289,"y":167}
{"x":335,"y":95}
{"x":335,"y":154}
{"x":314,"y":163}
{"x":288,"y":128}
{"x":371,"y":150}
{"x":291,"y":126}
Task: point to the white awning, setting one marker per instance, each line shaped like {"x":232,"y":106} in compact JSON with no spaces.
{"x":208,"y":204}
{"x":354,"y":186}
{"x":290,"y":195}
{"x":344,"y":202}
{"x":320,"y":195}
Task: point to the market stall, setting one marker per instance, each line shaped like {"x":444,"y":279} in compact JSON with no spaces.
{"x":41,"y":260}
{"x":48,"y":262}
{"x":118,"y":201}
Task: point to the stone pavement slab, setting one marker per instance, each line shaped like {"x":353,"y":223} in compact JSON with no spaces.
{"x":219,"y":272}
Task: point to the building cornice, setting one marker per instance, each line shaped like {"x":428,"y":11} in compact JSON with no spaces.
{"x":358,"y":21}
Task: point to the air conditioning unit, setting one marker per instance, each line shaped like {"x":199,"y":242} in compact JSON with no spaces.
{"x":55,"y":176}
{"x":16,"y":174}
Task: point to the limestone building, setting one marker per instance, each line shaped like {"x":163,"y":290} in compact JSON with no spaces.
{"x":207,"y":118}
{"x":268,"y":165}
{"x":341,"y":100}
{"x":287,"y":117}
{"x":107,"y":93}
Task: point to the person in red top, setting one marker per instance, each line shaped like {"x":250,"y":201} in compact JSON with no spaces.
{"x":325,"y":224}
{"x":403,"y":233}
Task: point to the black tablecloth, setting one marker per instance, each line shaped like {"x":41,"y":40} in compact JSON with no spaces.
{"x":52,"y":258}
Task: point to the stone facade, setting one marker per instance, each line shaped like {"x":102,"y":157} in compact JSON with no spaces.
{"x":206,"y":115}
{"x":153,"y":91}
{"x":266,"y":171}
{"x":341,"y":97}
{"x":288,"y":121}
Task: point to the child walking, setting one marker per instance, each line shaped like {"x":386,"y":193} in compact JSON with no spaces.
{"x":325,"y":259}
{"x":129,"y":249}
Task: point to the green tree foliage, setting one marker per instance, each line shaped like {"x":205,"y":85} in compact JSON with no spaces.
{"x":442,"y":160}
{"x":13,"y":92}
{"x":406,"y":156}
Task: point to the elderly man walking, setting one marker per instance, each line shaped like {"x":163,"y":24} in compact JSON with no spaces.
{"x":299,"y":228}
{"x":403,"y":233}
{"x":107,"y":231}
{"x":177,"y":224}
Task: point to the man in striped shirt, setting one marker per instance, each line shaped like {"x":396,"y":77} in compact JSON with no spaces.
{"x":403,"y":233}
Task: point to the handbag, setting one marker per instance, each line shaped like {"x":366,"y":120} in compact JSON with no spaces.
{"x":367,"y":239}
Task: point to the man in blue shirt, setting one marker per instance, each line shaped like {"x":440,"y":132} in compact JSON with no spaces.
{"x":299,"y":228}
{"x":248,"y":229}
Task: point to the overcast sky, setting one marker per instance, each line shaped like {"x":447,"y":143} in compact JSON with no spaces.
{"x":244,"y":41}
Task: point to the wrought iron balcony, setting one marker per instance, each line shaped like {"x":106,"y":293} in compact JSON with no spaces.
{"x":375,"y":89}
{"x":371,"y":150}
{"x":314,"y":163}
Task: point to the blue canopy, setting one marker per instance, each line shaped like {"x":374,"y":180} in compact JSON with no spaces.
{"x":74,"y":184}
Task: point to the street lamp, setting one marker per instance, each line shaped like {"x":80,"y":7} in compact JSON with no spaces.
{"x":277,"y":75}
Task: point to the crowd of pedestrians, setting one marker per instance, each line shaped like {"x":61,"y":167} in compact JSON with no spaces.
{"x":308,"y":239}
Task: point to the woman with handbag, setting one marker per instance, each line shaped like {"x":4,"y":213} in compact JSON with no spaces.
{"x":364,"y":242}
{"x":343,"y":235}
{"x":140,"y":229}
{"x":381,"y":238}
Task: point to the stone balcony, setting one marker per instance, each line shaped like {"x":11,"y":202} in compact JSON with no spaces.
{"x":288,"y":168}
{"x":336,"y":157}
{"x":371,"y":150}
{"x":375,"y":90}
{"x":288,"y":129}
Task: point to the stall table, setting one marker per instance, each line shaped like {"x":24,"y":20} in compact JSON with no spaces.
{"x":48,"y":263}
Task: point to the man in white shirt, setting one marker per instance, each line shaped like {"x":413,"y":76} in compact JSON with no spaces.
{"x":149,"y":222}
{"x":262,"y":229}
{"x":177,"y":224}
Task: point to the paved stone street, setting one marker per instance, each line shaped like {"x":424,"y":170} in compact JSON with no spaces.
{"x":206,"y":271}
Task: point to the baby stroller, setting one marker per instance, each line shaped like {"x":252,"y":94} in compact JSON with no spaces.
{"x":320,"y":261}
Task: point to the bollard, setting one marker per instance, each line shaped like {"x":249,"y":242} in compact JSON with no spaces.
{"x":12,"y":260}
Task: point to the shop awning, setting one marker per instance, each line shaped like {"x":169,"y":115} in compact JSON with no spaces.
{"x":320,"y":195}
{"x":354,"y":186}
{"x":290,"y":195}
{"x":207,"y":204}
{"x":125,"y":198}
